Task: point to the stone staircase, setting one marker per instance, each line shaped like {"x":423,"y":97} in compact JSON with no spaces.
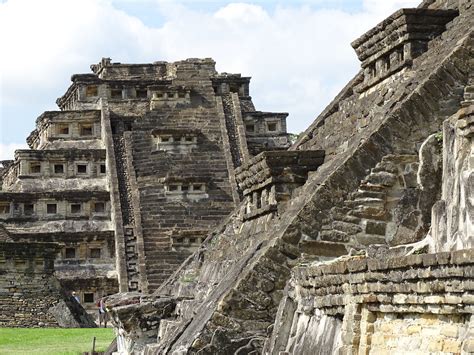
{"x":367,"y":216}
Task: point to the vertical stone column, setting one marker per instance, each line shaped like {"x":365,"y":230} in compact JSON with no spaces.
{"x":106,"y":133}
{"x":468,"y":343}
{"x":366,"y":330}
{"x":227,"y":148}
{"x":242,"y":137}
{"x":351,"y":328}
{"x":453,"y":216}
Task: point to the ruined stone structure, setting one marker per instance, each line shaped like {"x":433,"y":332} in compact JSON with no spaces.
{"x":30,"y":294}
{"x":357,"y":239}
{"x":133,"y":171}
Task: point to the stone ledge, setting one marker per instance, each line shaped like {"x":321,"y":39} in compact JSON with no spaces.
{"x":277,"y":166}
{"x":410,"y":23}
{"x":460,"y":257}
{"x":440,"y":283}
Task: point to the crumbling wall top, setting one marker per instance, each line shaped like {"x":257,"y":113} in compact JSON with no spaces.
{"x":404,"y":25}
{"x":273,"y":166}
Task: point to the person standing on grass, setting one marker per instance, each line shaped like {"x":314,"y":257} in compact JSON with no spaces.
{"x":103,"y":316}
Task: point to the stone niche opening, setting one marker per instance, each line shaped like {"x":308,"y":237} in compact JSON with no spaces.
{"x":193,"y":189}
{"x":62,"y":129}
{"x":81,"y":169}
{"x":92,"y":91}
{"x":187,"y":240}
{"x":169,"y":96}
{"x":5,"y":208}
{"x":272,"y":126}
{"x":88,"y":297}
{"x":116,"y":93}
{"x":35,"y":167}
{"x":76,"y":208}
{"x":141,"y":93}
{"x":28,"y":209}
{"x":86,"y":129}
{"x":58,"y":168}
{"x":394,"y":43}
{"x":268,"y":180}
{"x":69,"y":253}
{"x":175,"y":141}
{"x":99,"y":208}
{"x":95,"y":253}
{"x":51,"y":208}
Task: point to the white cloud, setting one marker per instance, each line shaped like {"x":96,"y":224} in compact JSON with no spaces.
{"x":7,"y":150}
{"x":299,"y":56}
{"x":386,"y":7}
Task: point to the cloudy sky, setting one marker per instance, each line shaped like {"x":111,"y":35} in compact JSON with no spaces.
{"x":297,"y":52}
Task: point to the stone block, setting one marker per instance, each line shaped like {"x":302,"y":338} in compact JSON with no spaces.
{"x":468,"y":298}
{"x":434,"y":299}
{"x":468,"y":346}
{"x":461,"y":257}
{"x":452,"y":299}
{"x":413,"y":329}
{"x":374,"y":227}
{"x":377,"y":264}
{"x":450,"y":331}
{"x":451,"y":346}
{"x":399,"y":298}
{"x":429,"y":259}
{"x":357,"y":264}
{"x":322,"y":248}
{"x":443,"y":258}
{"x":435,"y":344}
{"x":348,"y":228}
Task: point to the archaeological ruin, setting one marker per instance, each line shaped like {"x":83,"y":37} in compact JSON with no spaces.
{"x":162,"y":187}
{"x":133,"y":171}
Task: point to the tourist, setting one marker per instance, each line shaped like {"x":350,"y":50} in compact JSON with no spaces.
{"x":103,"y":316}
{"x":76,"y":297}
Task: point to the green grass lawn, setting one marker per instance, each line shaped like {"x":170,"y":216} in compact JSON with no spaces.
{"x":24,"y":341}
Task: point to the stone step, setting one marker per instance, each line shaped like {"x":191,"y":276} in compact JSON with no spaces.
{"x":367,"y":194}
{"x":400,"y":159}
{"x":348,"y":228}
{"x":369,"y":212}
{"x":388,"y":167}
{"x":326,"y":224}
{"x":339,"y":210}
{"x":375,"y":227}
{"x":366,"y":186}
{"x":370,"y":239}
{"x":346,"y":218}
{"x":382,"y":178}
{"x":367,"y":201}
{"x":334,"y":236}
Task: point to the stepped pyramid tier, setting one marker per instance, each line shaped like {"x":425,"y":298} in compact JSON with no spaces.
{"x":132,"y":172}
{"x":356,"y":239}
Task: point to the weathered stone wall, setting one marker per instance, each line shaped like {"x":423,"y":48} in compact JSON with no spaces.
{"x":372,"y":139}
{"x":453,"y":215}
{"x":64,"y":129}
{"x":399,"y":126}
{"x":182,"y":192}
{"x":30,"y":294}
{"x":421,"y":303}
